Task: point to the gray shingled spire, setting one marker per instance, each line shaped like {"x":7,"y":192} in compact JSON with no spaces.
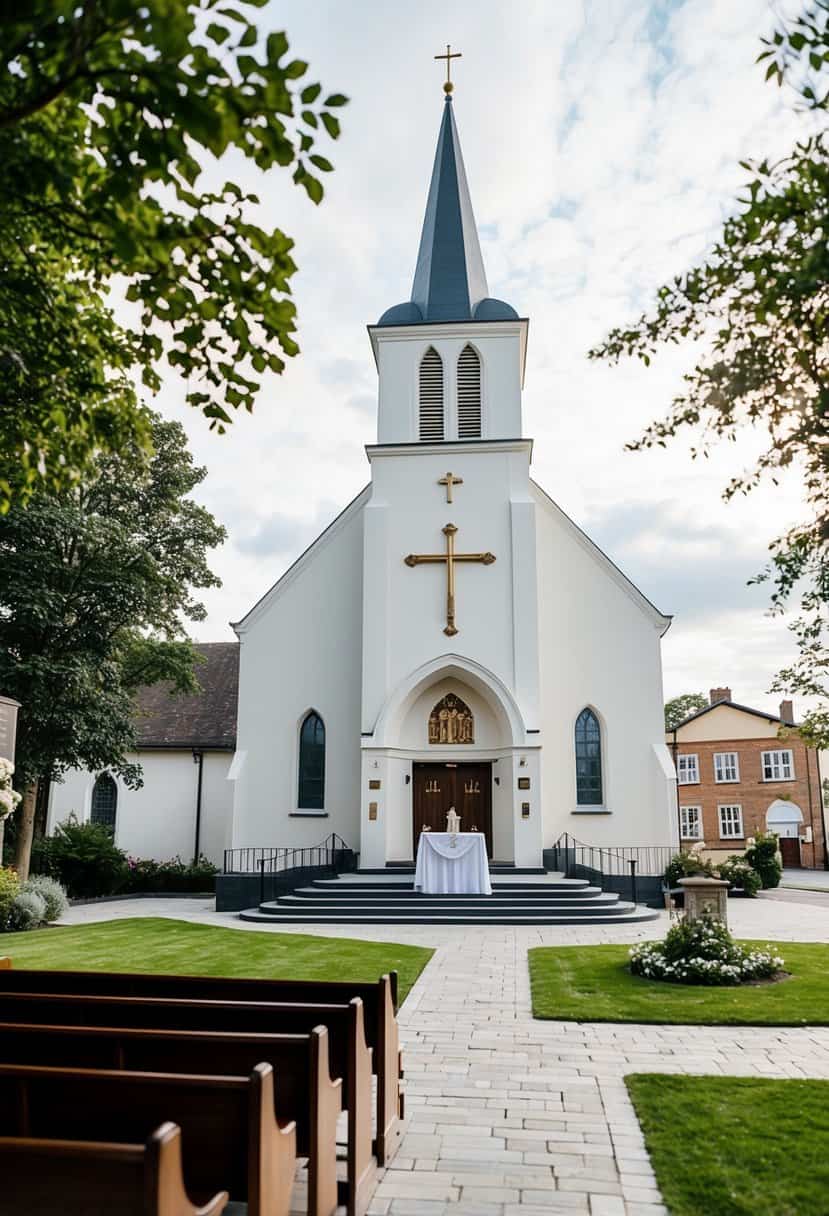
{"x":450,"y":280}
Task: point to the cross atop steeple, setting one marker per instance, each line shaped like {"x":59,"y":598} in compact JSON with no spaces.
{"x":449,"y":56}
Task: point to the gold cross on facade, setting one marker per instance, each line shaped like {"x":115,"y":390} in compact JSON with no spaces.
{"x":449,"y":557}
{"x":449,"y":481}
{"x":449,"y":56}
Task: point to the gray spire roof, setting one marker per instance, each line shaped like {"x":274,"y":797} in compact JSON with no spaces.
{"x":450,"y":280}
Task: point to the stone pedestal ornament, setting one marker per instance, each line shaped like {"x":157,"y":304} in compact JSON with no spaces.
{"x":705,"y":897}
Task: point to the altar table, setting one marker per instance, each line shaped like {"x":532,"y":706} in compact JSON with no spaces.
{"x":452,"y":864}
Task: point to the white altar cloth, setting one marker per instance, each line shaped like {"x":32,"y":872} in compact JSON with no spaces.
{"x":444,"y":868}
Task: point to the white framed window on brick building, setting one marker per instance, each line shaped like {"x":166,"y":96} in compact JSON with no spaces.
{"x":690,"y":822}
{"x":731,"y":822}
{"x":687,"y":770}
{"x":726,"y":767}
{"x":778,"y":765}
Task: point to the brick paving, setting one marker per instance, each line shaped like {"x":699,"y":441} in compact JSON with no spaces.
{"x":508,"y":1116}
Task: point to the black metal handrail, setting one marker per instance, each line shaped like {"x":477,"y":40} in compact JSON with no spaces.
{"x":249,"y":860}
{"x":609,"y":863}
{"x":287,"y":868}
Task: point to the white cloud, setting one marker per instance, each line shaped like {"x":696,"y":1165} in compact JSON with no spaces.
{"x":602,"y":142}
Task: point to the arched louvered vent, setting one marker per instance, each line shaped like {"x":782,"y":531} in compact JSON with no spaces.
{"x":431,"y":396}
{"x":469,"y":394}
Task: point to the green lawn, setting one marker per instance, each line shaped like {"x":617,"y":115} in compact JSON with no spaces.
{"x":736,"y":1146}
{"x":593,"y":984}
{"x":156,"y":944}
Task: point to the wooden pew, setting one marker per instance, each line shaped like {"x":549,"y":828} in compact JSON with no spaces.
{"x":348,"y":1055}
{"x":230,"y":1137}
{"x":379,"y":1002}
{"x":304,"y":1090}
{"x":76,"y":1178}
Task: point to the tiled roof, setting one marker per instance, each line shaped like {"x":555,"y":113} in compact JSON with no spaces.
{"x":744,"y":709}
{"x":206,"y":719}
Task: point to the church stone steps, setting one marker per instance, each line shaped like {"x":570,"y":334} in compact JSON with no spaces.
{"x":354,"y":899}
{"x":624,"y":914}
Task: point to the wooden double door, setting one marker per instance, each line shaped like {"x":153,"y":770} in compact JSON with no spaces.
{"x":466,"y":787}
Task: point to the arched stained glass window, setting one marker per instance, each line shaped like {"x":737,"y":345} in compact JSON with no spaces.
{"x":104,"y":801}
{"x":469,"y":394}
{"x":589,"y":791}
{"x":431,"y":396}
{"x":312,"y":763}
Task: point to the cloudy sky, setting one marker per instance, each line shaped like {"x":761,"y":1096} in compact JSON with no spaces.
{"x":602,"y":141}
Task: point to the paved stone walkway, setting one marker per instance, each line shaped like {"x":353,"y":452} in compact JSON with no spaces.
{"x":508,"y":1116}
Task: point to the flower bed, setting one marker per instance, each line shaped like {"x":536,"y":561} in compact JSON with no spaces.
{"x":702,"y":952}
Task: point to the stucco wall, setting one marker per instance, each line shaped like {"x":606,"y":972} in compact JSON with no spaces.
{"x":301,"y":650}
{"x":158,"y":820}
{"x":600,"y":647}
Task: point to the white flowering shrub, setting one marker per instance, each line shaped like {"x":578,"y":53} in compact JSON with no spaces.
{"x":9,"y":797}
{"x":52,"y":894}
{"x":702,"y":952}
{"x":27,"y":911}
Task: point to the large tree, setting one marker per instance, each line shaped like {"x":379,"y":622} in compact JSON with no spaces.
{"x":109,"y":113}
{"x":681,"y":707}
{"x":759,"y":303}
{"x":96,"y":582}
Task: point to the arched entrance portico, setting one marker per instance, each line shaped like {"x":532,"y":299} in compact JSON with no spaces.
{"x":450,"y":733}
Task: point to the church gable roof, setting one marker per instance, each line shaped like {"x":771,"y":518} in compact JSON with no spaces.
{"x":660,"y":619}
{"x":204,"y":719}
{"x":450,"y":280}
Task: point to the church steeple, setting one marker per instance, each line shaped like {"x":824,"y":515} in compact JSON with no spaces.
{"x":449,"y":280}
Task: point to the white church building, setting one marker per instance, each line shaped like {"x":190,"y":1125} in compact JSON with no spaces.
{"x":452,"y":639}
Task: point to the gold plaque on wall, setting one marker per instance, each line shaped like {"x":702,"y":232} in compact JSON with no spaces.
{"x":525,"y":810}
{"x":523,"y":783}
{"x":374,"y":784}
{"x":372,"y":810}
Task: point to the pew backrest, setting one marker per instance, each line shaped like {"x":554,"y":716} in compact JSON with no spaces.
{"x":75,"y":1178}
{"x":230,"y":1136}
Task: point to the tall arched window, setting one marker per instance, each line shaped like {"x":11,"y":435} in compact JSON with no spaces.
{"x":589,"y":790}
{"x":431,"y":396}
{"x":104,"y":801}
{"x":469,"y":394}
{"x":312,"y":763}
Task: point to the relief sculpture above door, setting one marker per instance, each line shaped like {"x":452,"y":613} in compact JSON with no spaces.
{"x":451,"y":721}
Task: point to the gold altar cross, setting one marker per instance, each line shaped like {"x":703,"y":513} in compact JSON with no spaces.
{"x":449,"y":481}
{"x":449,"y":557}
{"x":449,"y":56}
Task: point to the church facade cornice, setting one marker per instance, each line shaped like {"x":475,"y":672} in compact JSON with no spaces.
{"x":456,"y":446}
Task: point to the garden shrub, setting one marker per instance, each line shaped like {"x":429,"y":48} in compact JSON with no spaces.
{"x":52,"y":894}
{"x":702,"y":952}
{"x":762,"y":856}
{"x":144,"y":874}
{"x":84,"y":858}
{"x":27,"y":911}
{"x":9,"y":889}
{"x":687,"y":865}
{"x":739,"y":873}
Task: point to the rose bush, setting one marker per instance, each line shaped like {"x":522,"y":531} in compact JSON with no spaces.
{"x":702,"y":952}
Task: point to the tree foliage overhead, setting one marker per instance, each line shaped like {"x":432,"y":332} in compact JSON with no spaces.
{"x":680,"y":708}
{"x":759,"y":303}
{"x":95,"y":584}
{"x":109,"y":113}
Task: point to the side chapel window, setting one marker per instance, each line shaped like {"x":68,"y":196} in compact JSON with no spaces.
{"x":311,"y":794}
{"x":589,"y":790}
{"x":104,"y":801}
{"x":431,"y":396}
{"x":469,"y":394}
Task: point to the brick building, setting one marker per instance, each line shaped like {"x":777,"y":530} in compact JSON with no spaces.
{"x":741,"y":771}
